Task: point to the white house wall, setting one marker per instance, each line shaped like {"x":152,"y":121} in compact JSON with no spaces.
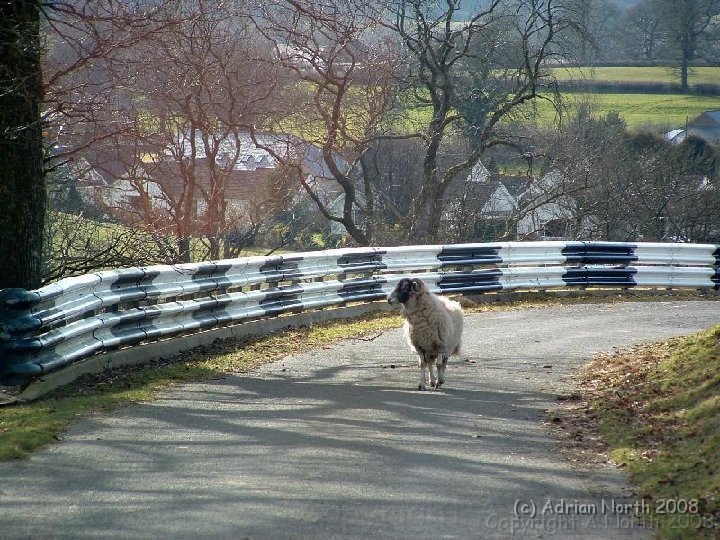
{"x":500,"y":202}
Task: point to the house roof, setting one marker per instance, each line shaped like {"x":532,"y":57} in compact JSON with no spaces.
{"x":706,"y":119}
{"x":86,"y":175}
{"x":713,"y":115}
{"x":706,"y":126}
{"x":252,"y":156}
{"x":516,"y":185}
{"x":675,"y":136}
{"x":499,"y":193}
{"x":479,"y":173}
{"x":101,"y":165}
{"x":240,"y":184}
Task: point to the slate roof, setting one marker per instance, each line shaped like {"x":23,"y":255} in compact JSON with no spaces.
{"x":252,"y":156}
{"x":708,"y":118}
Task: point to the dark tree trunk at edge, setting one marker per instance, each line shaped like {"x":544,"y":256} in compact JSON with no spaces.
{"x":22,"y":181}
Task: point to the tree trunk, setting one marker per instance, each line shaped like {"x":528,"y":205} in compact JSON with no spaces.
{"x":425,"y":214}
{"x":423,"y":227}
{"x":22,"y":179}
{"x":183,"y":245}
{"x":684,"y":69}
{"x":214,"y":243}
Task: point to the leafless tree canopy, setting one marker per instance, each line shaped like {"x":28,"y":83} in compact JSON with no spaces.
{"x":195,"y":129}
{"x":472,"y":74}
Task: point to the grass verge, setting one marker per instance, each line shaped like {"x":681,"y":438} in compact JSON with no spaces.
{"x":656,"y":410}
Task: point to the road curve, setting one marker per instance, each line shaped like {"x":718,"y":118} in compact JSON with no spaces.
{"x":335,"y":443}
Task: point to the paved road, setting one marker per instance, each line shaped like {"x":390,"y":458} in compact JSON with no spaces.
{"x":335,"y":444}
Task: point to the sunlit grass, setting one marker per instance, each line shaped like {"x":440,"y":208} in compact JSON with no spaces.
{"x":698,"y":75}
{"x":640,"y":111}
{"x":659,"y":111}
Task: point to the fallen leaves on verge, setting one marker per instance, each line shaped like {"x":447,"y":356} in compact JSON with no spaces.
{"x":618,"y":376}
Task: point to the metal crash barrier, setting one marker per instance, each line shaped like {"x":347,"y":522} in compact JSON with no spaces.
{"x":63,"y":323}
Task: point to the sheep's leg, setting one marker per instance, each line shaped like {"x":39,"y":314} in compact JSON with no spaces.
{"x":423,"y":370}
{"x":431,"y":367}
{"x":423,"y":375}
{"x":441,"y":371}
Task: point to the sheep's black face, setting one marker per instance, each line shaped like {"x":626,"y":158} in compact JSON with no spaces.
{"x":404,"y":289}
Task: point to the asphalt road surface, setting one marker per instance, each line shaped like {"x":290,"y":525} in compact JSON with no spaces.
{"x":336,"y":443}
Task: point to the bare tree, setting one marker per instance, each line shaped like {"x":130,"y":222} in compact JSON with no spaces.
{"x":499,"y":52}
{"x":339,"y":66}
{"x":645,"y":23}
{"x":589,"y":157}
{"x":75,"y":246}
{"x":91,"y":65}
{"x":620,"y":186}
{"x":213,"y":84}
{"x":672,"y":191}
{"x":90,"y":69}
{"x":177,"y":130}
{"x":687,"y":24}
{"x":23,"y":97}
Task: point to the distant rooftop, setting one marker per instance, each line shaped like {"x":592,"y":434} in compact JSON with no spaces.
{"x":714,"y":115}
{"x":252,"y":157}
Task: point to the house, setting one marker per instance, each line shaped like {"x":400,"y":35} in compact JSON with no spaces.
{"x":530,"y":208}
{"x":112,"y":180}
{"x":547,"y":213}
{"x":242,"y":175}
{"x":705,"y":126}
{"x":504,"y":195}
{"x":490,"y":204}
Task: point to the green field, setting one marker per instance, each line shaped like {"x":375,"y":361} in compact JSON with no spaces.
{"x":655,"y":111}
{"x":640,"y":111}
{"x":699,"y":75}
{"x":652,"y":111}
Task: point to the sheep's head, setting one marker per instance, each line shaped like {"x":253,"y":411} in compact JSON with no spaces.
{"x":406,"y":289}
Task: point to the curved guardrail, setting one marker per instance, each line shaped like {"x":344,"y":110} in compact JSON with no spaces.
{"x":53,"y":327}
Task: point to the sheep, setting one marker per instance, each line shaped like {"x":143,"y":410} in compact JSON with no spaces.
{"x":433,"y":327}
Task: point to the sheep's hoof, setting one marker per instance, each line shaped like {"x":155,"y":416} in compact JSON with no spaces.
{"x":421,"y":387}
{"x":440,"y":383}
{"x":434,"y":384}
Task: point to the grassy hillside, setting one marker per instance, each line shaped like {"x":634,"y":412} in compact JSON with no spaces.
{"x":658,"y":408}
{"x":699,"y":75}
{"x":638,"y":110}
